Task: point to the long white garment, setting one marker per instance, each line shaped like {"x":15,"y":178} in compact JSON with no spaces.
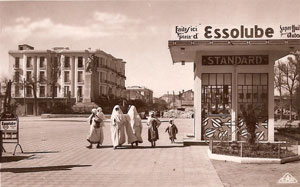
{"x":117,"y":127}
{"x":136,"y":123}
{"x":131,"y":138}
{"x":95,"y":135}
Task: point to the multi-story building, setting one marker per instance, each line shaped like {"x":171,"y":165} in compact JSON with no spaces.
{"x":139,"y":93}
{"x":62,"y":73}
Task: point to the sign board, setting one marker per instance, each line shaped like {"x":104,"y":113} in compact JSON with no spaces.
{"x":235,"y":60}
{"x":9,"y":129}
{"x":9,"y":125}
{"x":235,"y":32}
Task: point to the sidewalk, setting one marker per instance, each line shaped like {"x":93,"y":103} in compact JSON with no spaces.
{"x":55,"y":155}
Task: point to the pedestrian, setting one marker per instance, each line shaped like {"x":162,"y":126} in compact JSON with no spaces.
{"x":117,"y":127}
{"x":153,"y":124}
{"x":95,"y":136}
{"x":101,"y":116}
{"x":172,"y":130}
{"x":136,"y":124}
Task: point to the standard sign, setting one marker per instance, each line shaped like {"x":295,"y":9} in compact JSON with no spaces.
{"x":9,"y":126}
{"x":235,"y":60}
{"x":238,"y":32}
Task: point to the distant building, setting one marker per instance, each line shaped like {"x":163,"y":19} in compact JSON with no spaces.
{"x":75,"y":81}
{"x":139,"y":93}
{"x":183,"y":100}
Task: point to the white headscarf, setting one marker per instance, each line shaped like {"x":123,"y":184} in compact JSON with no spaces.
{"x":134,"y":116}
{"x":94,"y":111}
{"x":116,"y":115}
{"x":132,"y":112}
{"x":100,"y":113}
{"x":99,"y":109}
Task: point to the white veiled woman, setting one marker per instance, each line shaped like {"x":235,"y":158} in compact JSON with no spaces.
{"x":95,"y":135}
{"x":101,"y":117}
{"x":136,"y":123}
{"x":117,"y":127}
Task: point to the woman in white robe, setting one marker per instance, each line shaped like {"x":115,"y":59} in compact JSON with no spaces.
{"x":136,"y":124}
{"x":117,"y":127}
{"x":101,"y":116}
{"x":95,"y":135}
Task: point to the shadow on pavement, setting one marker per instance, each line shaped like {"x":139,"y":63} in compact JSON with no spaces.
{"x":13,"y":158}
{"x":38,"y":152}
{"x":149,"y":147}
{"x":102,"y":147}
{"x":71,"y":120}
{"x":41,"y":169}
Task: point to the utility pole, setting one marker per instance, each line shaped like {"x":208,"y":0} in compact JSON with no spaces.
{"x":25,"y":112}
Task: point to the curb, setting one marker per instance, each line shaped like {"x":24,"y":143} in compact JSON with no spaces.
{"x":249,"y":160}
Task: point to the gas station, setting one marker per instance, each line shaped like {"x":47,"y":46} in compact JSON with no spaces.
{"x":233,"y":73}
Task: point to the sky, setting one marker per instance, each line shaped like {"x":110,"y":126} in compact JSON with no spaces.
{"x":135,"y":31}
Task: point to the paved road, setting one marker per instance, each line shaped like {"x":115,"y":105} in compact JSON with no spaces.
{"x":55,"y":155}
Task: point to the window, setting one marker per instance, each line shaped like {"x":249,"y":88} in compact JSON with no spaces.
{"x":67,"y":76}
{"x":67,"y":62}
{"x":100,"y":90}
{"x":101,"y":76}
{"x":101,"y":61}
{"x":17,"y":62}
{"x":66,"y":91}
{"x":42,"y":62}
{"x":79,"y":91}
{"x":216,"y":93}
{"x":80,"y":62}
{"x":17,"y":91}
{"x":29,"y":62}
{"x":28,"y":91}
{"x":54,"y":91}
{"x":80,"y":76}
{"x":97,"y":61}
{"x":42,"y":76}
{"x":42,"y":91}
{"x":17,"y":76}
{"x":28,"y":75}
{"x":253,"y":93}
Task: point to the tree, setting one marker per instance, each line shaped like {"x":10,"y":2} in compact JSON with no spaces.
{"x":55,"y":73}
{"x":290,"y":71}
{"x":33,"y":83}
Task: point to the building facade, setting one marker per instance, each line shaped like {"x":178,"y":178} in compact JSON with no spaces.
{"x":139,"y":93}
{"x":62,"y":73}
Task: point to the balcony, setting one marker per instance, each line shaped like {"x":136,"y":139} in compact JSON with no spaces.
{"x":16,"y":67}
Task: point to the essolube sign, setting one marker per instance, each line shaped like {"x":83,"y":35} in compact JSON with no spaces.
{"x":240,"y":32}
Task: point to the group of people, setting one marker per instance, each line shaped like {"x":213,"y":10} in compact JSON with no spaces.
{"x":130,"y":123}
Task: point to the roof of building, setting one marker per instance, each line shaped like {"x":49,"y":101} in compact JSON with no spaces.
{"x":185,"y":50}
{"x":137,"y":88}
{"x":27,"y":49}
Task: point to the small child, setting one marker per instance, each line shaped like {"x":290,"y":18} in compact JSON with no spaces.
{"x":172,"y":130}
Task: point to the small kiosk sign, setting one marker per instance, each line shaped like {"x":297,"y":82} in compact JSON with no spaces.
{"x":235,"y":60}
{"x":239,"y":32}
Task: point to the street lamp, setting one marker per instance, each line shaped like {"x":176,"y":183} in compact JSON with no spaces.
{"x":25,"y":112}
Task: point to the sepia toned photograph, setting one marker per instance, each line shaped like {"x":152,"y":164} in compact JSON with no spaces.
{"x":137,"y":93}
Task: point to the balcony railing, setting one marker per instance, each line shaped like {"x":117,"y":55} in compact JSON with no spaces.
{"x":16,"y":66}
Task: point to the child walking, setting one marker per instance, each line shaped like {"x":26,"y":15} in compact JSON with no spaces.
{"x":153,"y":124}
{"x":172,"y":130}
